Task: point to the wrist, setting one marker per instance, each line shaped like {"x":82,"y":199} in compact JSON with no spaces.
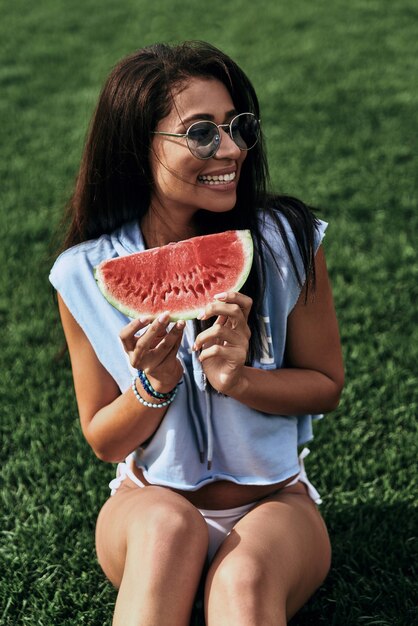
{"x":238,"y":390}
{"x":148,"y":396}
{"x":156,"y":387}
{"x":144,"y":393}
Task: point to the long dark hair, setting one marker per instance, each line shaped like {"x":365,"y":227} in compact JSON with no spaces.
{"x":114,"y":182}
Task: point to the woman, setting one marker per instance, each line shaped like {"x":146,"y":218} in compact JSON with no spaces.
{"x":209,"y":484}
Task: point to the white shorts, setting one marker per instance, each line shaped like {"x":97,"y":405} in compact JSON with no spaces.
{"x":220,"y":522}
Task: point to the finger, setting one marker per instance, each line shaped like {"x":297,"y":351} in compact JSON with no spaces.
{"x":235,"y":297}
{"x":157,"y":331}
{"x":220,"y":335}
{"x":136,"y":346}
{"x":128,"y":332}
{"x":207,"y":337}
{"x":232,"y":311}
{"x":236,"y":358}
{"x":171,"y":341}
{"x":155,"y":352}
{"x":221,"y":320}
{"x":213,"y":351}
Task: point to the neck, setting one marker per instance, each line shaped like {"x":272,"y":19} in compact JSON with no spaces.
{"x":159,"y":229}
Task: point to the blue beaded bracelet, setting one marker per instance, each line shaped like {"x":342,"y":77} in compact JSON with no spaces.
{"x":152,"y":405}
{"x":150,"y":389}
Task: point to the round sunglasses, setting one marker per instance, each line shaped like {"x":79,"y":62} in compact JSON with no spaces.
{"x":204,"y":138}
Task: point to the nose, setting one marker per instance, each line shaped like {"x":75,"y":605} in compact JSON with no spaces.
{"x":228,"y":149}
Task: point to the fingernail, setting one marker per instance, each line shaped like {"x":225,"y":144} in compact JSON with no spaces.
{"x":220,"y":296}
{"x":143,"y":320}
{"x":201,"y":314}
{"x":164,"y":317}
{"x":180,"y":324}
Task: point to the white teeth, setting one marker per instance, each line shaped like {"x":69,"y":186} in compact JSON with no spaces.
{"x":217,"y":180}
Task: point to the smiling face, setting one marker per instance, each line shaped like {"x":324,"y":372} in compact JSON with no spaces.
{"x":183,"y":184}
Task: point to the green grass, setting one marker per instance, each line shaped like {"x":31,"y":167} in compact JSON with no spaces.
{"x":337,"y":84}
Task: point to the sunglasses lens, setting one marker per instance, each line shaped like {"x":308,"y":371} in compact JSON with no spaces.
{"x":203,"y":139}
{"x":245,"y":130}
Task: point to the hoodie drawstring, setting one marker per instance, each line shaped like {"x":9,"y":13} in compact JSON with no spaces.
{"x":193,"y":413}
{"x":195,"y":417}
{"x":209,"y":428}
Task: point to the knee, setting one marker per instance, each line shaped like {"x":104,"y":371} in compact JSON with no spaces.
{"x":172,"y":521}
{"x":246,"y":592}
{"x":240,"y":577}
{"x":178,"y":519}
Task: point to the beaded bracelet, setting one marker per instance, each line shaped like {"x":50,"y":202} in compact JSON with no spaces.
{"x":152,"y":405}
{"x":150,"y":389}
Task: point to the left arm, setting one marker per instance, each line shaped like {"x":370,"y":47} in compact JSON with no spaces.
{"x":313,"y":380}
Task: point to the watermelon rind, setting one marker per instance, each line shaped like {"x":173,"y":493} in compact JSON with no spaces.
{"x":248,"y":250}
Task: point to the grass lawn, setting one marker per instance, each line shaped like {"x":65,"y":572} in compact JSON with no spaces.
{"x":338,"y":87}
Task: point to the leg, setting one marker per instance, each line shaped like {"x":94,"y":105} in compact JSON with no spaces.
{"x":271,"y":563}
{"x":152,"y":545}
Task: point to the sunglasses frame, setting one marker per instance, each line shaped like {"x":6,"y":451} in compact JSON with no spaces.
{"x":218,"y":126}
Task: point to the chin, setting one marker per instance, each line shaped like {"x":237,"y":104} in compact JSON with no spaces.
{"x":217,"y":206}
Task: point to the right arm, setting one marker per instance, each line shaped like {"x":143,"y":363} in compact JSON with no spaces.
{"x":115,"y":423}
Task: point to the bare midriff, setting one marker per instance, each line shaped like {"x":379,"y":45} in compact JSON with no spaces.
{"x":223,"y":494}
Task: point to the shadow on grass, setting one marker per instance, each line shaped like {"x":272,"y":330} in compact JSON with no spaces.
{"x":373,"y":576}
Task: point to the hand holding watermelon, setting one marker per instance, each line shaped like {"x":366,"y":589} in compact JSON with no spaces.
{"x":224,"y":346}
{"x":155,"y":350}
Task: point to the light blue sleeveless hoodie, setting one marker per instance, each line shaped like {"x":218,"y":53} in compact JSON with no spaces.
{"x":204,"y":436}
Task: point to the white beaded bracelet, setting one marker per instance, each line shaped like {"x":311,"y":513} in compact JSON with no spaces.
{"x":152,"y":405}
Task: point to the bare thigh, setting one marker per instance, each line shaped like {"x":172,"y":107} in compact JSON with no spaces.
{"x":271,"y":563}
{"x":136,"y":517}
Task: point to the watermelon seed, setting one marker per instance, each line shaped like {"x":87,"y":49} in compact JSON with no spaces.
{"x":191,"y":288}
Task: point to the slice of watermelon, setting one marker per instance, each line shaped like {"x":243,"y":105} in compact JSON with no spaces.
{"x":181,"y":277}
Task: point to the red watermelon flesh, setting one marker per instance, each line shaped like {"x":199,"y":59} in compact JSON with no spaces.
{"x":181,"y":277}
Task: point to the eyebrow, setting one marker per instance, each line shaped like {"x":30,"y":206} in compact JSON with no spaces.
{"x":197,"y":117}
